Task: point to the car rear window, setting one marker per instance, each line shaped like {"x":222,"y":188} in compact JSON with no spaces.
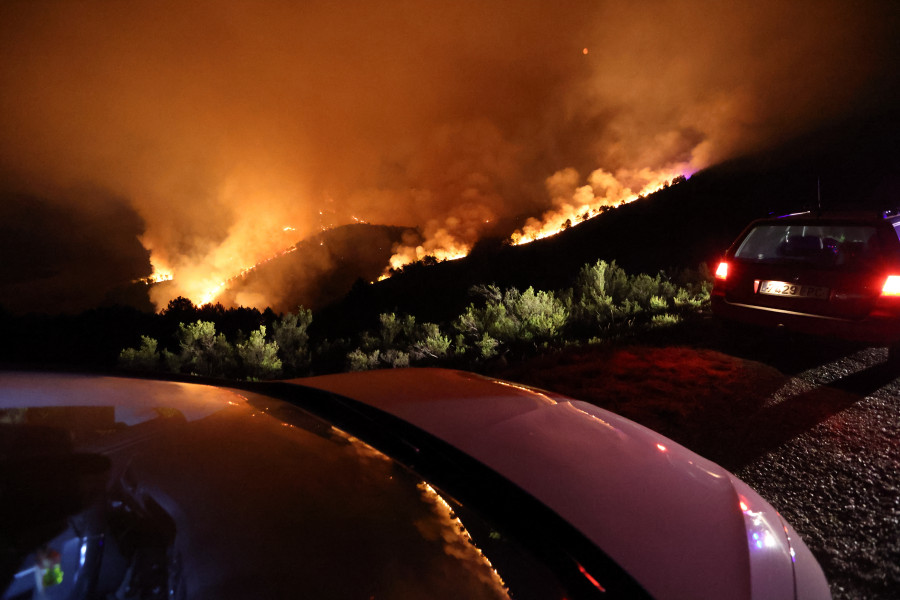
{"x":822,"y":246}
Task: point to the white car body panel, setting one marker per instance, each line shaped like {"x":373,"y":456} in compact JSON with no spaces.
{"x":674,"y":520}
{"x":681,"y":525}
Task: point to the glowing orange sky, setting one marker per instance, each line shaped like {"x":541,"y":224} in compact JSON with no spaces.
{"x":220,"y":123}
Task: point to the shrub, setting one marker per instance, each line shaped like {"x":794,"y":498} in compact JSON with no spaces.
{"x":430,"y":343}
{"x":399,"y":342}
{"x":145,"y":358}
{"x":686,"y":301}
{"x":511,"y":320}
{"x":664,"y":320}
{"x":290,"y":334}
{"x":658,"y":304}
{"x":259,"y":358}
{"x":606,"y":299}
{"x":359,"y":360}
{"x":202,"y":351}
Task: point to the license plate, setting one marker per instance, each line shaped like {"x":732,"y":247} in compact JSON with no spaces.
{"x":793,"y":290}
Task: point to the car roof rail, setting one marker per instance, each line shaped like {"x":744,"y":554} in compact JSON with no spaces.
{"x":844,"y":212}
{"x":796,"y":214}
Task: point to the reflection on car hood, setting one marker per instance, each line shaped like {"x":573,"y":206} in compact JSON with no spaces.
{"x":261,"y":508}
{"x":671,"y":518}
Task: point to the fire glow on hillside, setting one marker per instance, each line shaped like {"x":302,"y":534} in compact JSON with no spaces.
{"x":208,"y":289}
{"x":223,"y":132}
{"x":603,"y":191}
{"x":588,"y":201}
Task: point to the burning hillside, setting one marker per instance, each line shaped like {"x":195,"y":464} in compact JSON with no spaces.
{"x":316,"y":271}
{"x":232,"y":129}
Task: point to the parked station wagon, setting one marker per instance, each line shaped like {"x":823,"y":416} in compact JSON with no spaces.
{"x":829,"y":274}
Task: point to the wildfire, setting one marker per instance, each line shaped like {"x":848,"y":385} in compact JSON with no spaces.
{"x":200,"y":289}
{"x":603,"y":191}
{"x":573,"y":205}
{"x":448,"y":240}
{"x":158,"y":275}
{"x":405,"y":255}
{"x":212,"y":292}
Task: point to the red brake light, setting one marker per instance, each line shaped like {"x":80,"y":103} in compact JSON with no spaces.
{"x":722,"y":272}
{"x":891,"y":286}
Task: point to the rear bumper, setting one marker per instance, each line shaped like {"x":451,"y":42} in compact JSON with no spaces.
{"x":873,"y":330}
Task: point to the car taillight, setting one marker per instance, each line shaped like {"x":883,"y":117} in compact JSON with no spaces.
{"x":891,"y":286}
{"x":722,"y":271}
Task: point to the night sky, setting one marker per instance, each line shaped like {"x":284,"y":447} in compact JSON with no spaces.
{"x":194,"y":133}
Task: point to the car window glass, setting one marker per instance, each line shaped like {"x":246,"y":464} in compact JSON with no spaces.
{"x":823,"y":246}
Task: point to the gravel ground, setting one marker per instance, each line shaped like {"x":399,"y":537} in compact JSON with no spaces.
{"x":838,"y":482}
{"x":814,"y":427}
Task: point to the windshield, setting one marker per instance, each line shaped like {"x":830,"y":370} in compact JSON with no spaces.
{"x":832,"y":246}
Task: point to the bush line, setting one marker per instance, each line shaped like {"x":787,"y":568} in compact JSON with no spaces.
{"x":499,"y":325}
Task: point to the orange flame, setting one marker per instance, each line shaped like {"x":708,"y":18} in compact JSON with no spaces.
{"x":158,"y":274}
{"x":603,"y":190}
{"x":441,"y":243}
{"x":573,"y":205}
{"x":213,"y":291}
{"x":203,"y":283}
{"x":449,"y":249}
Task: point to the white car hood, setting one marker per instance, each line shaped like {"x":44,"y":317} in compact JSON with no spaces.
{"x":669,"y":517}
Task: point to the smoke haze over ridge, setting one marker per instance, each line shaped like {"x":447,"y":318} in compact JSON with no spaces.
{"x":218,"y":124}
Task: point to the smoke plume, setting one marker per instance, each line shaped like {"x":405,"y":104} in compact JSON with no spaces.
{"x":235,"y":128}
